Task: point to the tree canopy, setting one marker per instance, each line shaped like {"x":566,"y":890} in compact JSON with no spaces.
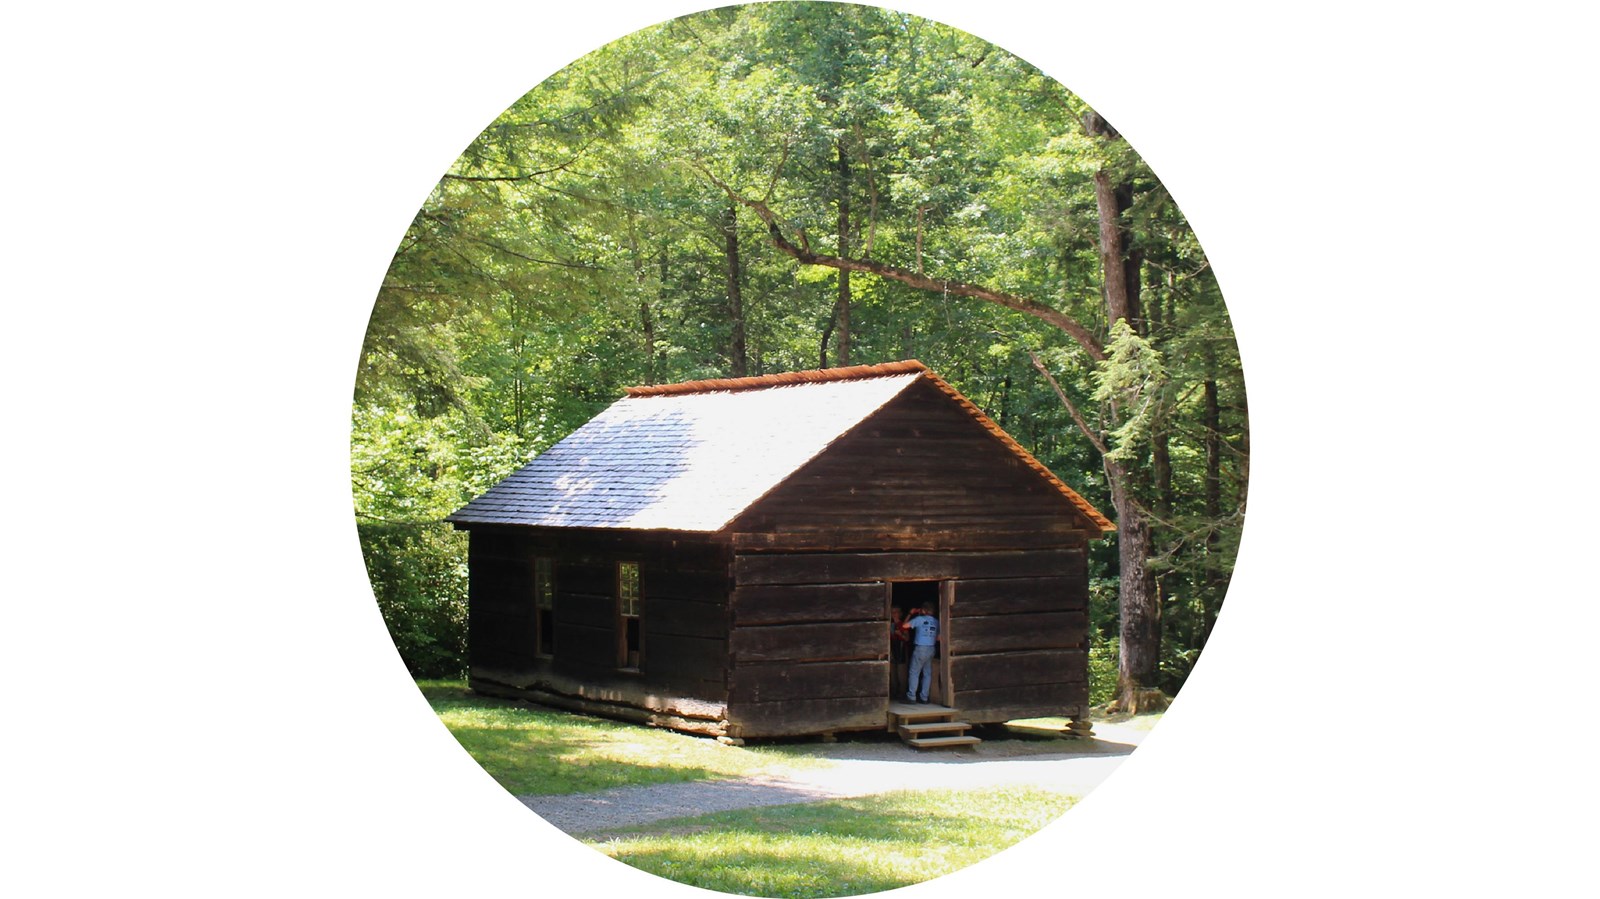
{"x":776,"y":187}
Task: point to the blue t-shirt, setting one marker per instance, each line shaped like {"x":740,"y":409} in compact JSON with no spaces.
{"x":924,"y":630}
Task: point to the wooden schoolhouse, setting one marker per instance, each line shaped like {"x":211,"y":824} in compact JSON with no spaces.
{"x":725,"y":557}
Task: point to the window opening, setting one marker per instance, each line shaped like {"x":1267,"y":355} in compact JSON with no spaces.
{"x":630,"y":602}
{"x":544,"y":607}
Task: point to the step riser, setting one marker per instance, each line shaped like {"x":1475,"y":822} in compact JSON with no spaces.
{"x":917,"y":730}
{"x":942,"y":742}
{"x":932,"y":729}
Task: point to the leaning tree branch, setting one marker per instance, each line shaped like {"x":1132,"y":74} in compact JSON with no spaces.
{"x":1071,"y":409}
{"x":805,"y":255}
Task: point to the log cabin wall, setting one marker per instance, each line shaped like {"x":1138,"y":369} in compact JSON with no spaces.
{"x":808,"y":656}
{"x":918,"y":491}
{"x":1019,"y":645}
{"x":684,"y":584}
{"x":809,"y":642}
{"x":500,"y":635}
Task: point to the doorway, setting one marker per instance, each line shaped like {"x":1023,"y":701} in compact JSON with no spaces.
{"x":902,"y":598}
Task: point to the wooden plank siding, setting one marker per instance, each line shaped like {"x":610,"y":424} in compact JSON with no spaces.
{"x":499,"y":603}
{"x":828,"y":641}
{"x":766,"y":604}
{"x":807,"y":657}
{"x":684,"y":581}
{"x":920,"y":473}
{"x":1019,"y":646}
{"x":810,"y":634}
{"x":786,"y":682}
{"x":842,"y":568}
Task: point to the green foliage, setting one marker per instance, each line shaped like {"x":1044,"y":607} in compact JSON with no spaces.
{"x":419,"y":576}
{"x":1102,"y":670}
{"x":581,"y":244}
{"x":842,"y":847}
{"x":1130,"y":382}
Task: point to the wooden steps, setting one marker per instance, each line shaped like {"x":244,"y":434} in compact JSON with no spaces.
{"x":929,"y":726}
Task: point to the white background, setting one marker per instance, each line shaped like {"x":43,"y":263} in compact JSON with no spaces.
{"x":202,"y":198}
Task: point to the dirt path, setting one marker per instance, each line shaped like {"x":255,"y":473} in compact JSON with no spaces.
{"x":856,"y":770}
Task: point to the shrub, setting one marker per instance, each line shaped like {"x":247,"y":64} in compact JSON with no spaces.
{"x":419,"y":577}
{"x":1102,"y":670}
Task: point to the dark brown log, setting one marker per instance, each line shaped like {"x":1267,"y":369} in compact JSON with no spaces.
{"x":801,"y":642}
{"x":585,"y":647}
{"x":582,"y":610}
{"x":677,"y":659}
{"x":690,"y":619}
{"x":1018,"y":669}
{"x":833,"y":602}
{"x":1006,"y":596}
{"x":1047,"y":535}
{"x":1038,"y":630}
{"x":810,"y":716}
{"x":1010,"y":703}
{"x":837,"y":568}
{"x":789,"y":681}
{"x":622,"y":701}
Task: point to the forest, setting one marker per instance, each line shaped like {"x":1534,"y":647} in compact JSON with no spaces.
{"x":787,"y":186}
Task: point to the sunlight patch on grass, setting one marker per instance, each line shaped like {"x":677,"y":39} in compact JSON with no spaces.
{"x":836,"y":848}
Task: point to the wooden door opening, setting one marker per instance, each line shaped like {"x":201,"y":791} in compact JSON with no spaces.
{"x":903,"y":598}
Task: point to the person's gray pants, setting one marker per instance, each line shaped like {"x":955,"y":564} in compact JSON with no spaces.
{"x":921,"y":665}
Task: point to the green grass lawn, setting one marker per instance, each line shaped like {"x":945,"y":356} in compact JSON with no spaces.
{"x":832,"y":848}
{"x":535,"y":751}
{"x":839,"y":847}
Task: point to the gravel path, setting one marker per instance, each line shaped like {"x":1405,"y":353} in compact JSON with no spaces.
{"x":856,"y":770}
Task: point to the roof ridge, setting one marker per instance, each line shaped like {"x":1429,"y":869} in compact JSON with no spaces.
{"x":757,"y":382}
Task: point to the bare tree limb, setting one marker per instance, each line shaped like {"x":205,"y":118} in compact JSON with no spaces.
{"x":804,"y":254}
{"x":1071,"y":409}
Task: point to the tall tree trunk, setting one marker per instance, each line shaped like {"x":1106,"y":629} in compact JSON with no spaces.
{"x":1161,"y":462}
{"x":1139,"y":658}
{"x":1216,"y":581}
{"x":647,"y":324}
{"x":1112,"y":257}
{"x":841,"y":313}
{"x":1138,"y":665}
{"x":738,"y":364}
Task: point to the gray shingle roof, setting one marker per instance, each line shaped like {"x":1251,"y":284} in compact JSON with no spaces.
{"x":686,"y":462}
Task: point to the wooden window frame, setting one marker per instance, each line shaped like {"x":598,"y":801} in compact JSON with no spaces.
{"x":624,"y":600}
{"x":544,"y":599}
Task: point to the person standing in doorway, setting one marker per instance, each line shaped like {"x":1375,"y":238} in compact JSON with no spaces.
{"x":924,"y":630}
